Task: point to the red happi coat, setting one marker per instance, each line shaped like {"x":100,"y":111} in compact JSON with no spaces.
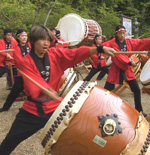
{"x":95,"y":60}
{"x":3,"y":47}
{"x":60,"y":60}
{"x":121,"y":61}
{"x":18,"y":56}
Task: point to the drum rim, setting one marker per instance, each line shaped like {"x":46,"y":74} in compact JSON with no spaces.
{"x":144,"y":79}
{"x":67,"y":118}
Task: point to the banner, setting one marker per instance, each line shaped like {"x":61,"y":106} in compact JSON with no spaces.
{"x":127,"y":23}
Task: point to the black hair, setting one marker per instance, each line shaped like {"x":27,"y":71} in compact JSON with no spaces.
{"x":119,"y":27}
{"x":58,"y":33}
{"x":18,"y":32}
{"x":52,"y":29}
{"x":40,"y":32}
{"x":7,"y":30}
{"x":96,"y":36}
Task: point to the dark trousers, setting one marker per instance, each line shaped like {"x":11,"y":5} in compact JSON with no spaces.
{"x":94,"y":70}
{"x":135,"y":89}
{"x":15,"y":91}
{"x":3,"y":70}
{"x":25,"y":125}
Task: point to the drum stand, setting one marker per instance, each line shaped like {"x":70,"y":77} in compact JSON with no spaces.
{"x":77,"y":68}
{"x":11,"y":82}
{"x":22,"y":95}
{"x":146,"y":90}
{"x":79,"y":75}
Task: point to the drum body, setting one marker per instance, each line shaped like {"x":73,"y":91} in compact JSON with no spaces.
{"x":67,"y":81}
{"x":143,"y":59}
{"x":137,"y":61}
{"x":145,"y":75}
{"x":74,"y":28}
{"x":93,"y":121}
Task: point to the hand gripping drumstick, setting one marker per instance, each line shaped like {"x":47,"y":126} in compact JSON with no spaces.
{"x":49,"y":92}
{"x":9,"y":50}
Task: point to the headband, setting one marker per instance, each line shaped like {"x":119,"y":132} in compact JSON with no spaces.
{"x":121,"y":29}
{"x":22,"y":33}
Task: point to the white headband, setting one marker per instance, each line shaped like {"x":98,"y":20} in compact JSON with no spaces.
{"x":121,"y":29}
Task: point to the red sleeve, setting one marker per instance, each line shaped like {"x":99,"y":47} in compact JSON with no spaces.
{"x":2,"y":57}
{"x":139,"y":44}
{"x":121,"y":61}
{"x":69,"y":57}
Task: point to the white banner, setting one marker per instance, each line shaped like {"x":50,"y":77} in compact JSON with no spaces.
{"x":127,"y":23}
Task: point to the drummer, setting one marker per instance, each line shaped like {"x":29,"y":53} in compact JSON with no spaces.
{"x":45,"y":66}
{"x":60,"y":41}
{"x":21,"y":50}
{"x":98,"y":62}
{"x":8,"y":42}
{"x":121,"y":67}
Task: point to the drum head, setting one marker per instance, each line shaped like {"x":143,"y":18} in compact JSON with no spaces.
{"x":72,"y":28}
{"x":145,"y":73}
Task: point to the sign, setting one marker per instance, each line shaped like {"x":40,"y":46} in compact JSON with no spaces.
{"x":127,"y":23}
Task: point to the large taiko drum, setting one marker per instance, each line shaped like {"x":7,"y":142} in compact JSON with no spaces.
{"x":145,"y":75}
{"x":74,"y":28}
{"x":67,"y":81}
{"x":93,"y":121}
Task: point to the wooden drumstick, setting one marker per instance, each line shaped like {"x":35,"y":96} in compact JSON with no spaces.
{"x":49,"y":92}
{"x":9,"y":50}
{"x":70,"y":41}
{"x":132,"y":52}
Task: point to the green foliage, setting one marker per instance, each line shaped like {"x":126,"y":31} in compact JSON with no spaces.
{"x":21,"y":13}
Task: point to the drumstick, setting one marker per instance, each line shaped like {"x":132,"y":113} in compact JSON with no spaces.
{"x":9,"y":50}
{"x":130,"y":36}
{"x":51,"y":93}
{"x":71,"y":41}
{"x":132,"y":52}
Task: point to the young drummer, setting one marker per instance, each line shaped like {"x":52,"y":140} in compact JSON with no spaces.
{"x":121,"y":64}
{"x":21,"y":50}
{"x":99,"y":63}
{"x":8,"y":42}
{"x":45,"y":66}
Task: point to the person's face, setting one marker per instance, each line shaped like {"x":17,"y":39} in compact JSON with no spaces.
{"x":8,"y":37}
{"x":98,"y":40}
{"x":121,"y":35}
{"x":54,"y":32}
{"x":23,"y":38}
{"x":41,"y":46}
